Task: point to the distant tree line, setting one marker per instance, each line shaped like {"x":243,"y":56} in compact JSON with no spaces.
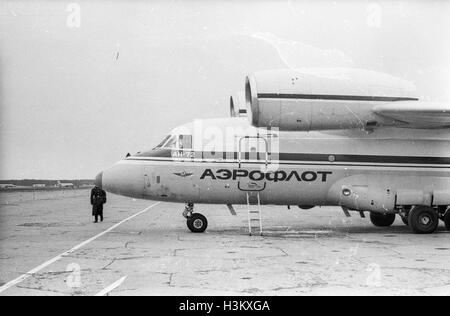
{"x":30,"y":182}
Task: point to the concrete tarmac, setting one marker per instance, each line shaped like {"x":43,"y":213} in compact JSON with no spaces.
{"x":49,"y":245}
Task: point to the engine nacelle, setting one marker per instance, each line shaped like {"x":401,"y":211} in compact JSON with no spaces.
{"x":237,"y":105}
{"x":322,"y":99}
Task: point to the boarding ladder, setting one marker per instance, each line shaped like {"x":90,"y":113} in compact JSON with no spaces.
{"x":252,"y":189}
{"x":254,"y":214}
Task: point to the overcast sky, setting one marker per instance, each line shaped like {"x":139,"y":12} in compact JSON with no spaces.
{"x":80,"y":91}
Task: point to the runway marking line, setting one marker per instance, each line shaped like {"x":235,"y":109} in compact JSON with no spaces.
{"x":25,"y":276}
{"x":108,"y":289}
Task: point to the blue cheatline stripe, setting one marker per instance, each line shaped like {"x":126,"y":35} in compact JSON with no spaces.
{"x":302,"y":157}
{"x":260,"y":162}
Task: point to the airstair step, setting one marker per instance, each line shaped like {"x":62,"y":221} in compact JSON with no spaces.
{"x":254,"y":221}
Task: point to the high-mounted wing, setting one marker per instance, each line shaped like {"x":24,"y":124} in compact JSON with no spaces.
{"x":416,"y":114}
{"x":295,"y":100}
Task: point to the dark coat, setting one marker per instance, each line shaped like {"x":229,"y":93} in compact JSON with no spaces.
{"x":98,"y":198}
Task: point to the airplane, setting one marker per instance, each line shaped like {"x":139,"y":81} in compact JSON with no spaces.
{"x":64,"y":184}
{"x":352,"y":138}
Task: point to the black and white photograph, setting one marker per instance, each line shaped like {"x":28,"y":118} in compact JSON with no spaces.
{"x":224,"y":153}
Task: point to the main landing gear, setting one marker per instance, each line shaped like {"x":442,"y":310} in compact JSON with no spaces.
{"x":382,"y":220}
{"x":447,"y":219}
{"x":421,"y":219}
{"x":404,"y":214}
{"x":196,"y":222}
{"x":444,"y":215}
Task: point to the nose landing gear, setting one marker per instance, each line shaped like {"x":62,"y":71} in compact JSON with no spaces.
{"x":196,"y":222}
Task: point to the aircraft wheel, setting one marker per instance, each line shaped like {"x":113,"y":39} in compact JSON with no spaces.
{"x":197,"y":223}
{"x":382,"y":220}
{"x":447,"y":219}
{"x":423,"y":220}
{"x":306,"y":207}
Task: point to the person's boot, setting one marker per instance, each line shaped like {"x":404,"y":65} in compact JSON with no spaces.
{"x":96,"y":219}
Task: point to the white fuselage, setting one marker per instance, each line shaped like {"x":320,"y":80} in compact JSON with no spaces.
{"x":226,"y":161}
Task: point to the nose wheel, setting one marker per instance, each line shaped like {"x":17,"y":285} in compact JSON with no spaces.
{"x":196,"y":222}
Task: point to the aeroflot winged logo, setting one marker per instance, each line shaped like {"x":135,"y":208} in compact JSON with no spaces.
{"x":257,"y":175}
{"x":183,"y":174}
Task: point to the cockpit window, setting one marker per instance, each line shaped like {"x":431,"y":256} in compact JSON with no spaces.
{"x":185,"y":142}
{"x":176,"y":142}
{"x":163,"y":142}
{"x":171,"y":143}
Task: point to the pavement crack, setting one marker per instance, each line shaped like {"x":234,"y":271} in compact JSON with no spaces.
{"x":38,"y":288}
{"x":283,"y":251}
{"x":109,"y":264}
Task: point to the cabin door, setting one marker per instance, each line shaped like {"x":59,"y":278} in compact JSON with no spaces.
{"x":253,"y":161}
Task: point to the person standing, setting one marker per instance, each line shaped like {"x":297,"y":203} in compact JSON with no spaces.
{"x":98,"y":198}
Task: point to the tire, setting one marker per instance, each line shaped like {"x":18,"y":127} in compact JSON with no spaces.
{"x":382,"y":220}
{"x":306,"y":207}
{"x":423,"y":220}
{"x":447,"y":219}
{"x":197,"y":223}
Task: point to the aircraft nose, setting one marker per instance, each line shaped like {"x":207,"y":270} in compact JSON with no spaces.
{"x":98,"y":180}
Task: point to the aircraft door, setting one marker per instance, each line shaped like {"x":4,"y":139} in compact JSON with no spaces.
{"x":253,"y":161}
